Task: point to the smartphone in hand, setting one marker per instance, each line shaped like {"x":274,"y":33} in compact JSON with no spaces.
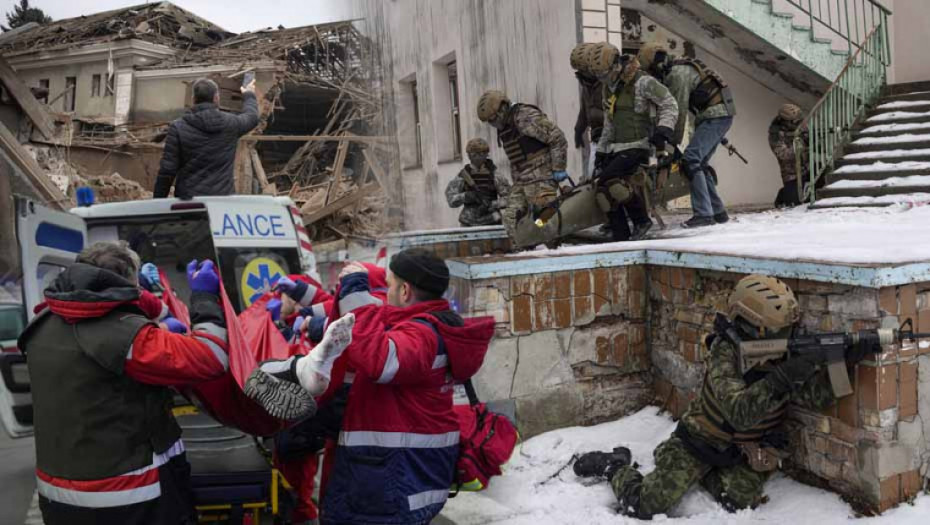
{"x":248,"y":79}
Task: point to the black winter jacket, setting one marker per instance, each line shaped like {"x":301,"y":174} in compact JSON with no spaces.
{"x":200,"y":150}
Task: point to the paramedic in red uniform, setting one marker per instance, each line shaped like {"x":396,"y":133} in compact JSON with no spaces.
{"x":108,"y":449}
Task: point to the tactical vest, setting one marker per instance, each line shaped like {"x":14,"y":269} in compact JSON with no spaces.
{"x":717,"y":425}
{"x":711,"y":89}
{"x":483,"y":179}
{"x":517,"y":146}
{"x":593,"y":100}
{"x":91,"y":420}
{"x":628,"y":124}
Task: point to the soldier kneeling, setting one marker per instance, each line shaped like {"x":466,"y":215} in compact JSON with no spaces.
{"x":732,"y":435}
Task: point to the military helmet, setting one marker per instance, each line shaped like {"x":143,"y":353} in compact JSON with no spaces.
{"x":579,"y":57}
{"x":647,"y":54}
{"x":601,"y":57}
{"x":790,"y":112}
{"x":477,"y":145}
{"x":489,"y":103}
{"x":764,"y":302}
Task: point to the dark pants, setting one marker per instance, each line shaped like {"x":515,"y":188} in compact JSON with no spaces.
{"x":705,"y":202}
{"x":175,"y":506}
{"x":623,"y":165}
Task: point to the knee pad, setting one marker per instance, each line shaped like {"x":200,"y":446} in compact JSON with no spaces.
{"x":619,"y":190}
{"x":603,"y":202}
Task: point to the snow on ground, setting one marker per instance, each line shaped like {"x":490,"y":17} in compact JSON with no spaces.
{"x":900,"y":198}
{"x":904,"y":104}
{"x":906,"y":137}
{"x":899,"y":115}
{"x":872,"y":236}
{"x":890,"y":153}
{"x":888,"y":128}
{"x":527,"y":494}
{"x":891,"y":182}
{"x":908,"y":165}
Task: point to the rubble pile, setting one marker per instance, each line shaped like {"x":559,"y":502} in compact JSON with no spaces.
{"x":114,"y":188}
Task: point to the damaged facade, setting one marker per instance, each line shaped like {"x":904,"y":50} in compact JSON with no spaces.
{"x":113,"y":81}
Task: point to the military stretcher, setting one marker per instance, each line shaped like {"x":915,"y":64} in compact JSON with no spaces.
{"x":577,"y":209}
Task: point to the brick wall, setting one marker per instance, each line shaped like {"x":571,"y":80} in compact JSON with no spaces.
{"x":570,"y":347}
{"x":871,"y":445}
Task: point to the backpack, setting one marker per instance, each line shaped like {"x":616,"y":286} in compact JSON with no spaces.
{"x":486,"y":442}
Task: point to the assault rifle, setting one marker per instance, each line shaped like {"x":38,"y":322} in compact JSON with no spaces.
{"x":731,"y":149}
{"x":470,"y":182}
{"x":830,"y":348}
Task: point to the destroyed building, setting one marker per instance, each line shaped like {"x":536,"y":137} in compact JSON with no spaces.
{"x":113,"y":81}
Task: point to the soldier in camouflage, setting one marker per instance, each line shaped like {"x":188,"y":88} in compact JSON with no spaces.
{"x":732,"y":435}
{"x":639,"y":114}
{"x":703,"y":92}
{"x":781,"y":140}
{"x":536,"y":149}
{"x":478,"y":188}
{"x":591,"y":112}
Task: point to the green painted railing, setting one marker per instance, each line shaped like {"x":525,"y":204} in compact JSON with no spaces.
{"x":851,"y":20}
{"x":828,"y":126}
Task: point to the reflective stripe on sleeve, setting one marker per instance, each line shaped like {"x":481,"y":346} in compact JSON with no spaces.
{"x":441,"y":361}
{"x":217,"y":350}
{"x":391,"y":364}
{"x":425,"y":499}
{"x":308,"y":295}
{"x":318,"y":310}
{"x":357,"y":300}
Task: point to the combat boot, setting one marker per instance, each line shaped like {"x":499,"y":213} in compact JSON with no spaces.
{"x":592,"y":464}
{"x":274,"y":385}
{"x":640,"y":231}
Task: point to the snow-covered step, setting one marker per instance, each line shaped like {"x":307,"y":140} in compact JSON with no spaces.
{"x":893,"y":155}
{"x":903,"y":104}
{"x":898,"y":116}
{"x":895,"y":128}
{"x":901,"y":141}
{"x":910,"y":199}
{"x":876,"y":188}
{"x":913,"y":95}
{"x":880,"y":170}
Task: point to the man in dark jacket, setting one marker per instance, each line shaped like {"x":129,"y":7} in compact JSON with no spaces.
{"x":200,"y":149}
{"x":108,"y":449}
{"x":781,"y":140}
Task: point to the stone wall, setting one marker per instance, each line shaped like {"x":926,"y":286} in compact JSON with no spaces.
{"x":570,"y":348}
{"x":871,"y":446}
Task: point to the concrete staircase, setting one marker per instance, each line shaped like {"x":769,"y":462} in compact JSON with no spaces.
{"x":888,"y":160}
{"x":769,"y":40}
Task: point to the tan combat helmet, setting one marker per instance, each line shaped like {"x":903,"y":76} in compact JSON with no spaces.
{"x":601,"y":58}
{"x":764,"y":302}
{"x":790,"y":112}
{"x":489,"y":103}
{"x":579,"y":57}
{"x":647,"y":54}
{"x":477,"y":145}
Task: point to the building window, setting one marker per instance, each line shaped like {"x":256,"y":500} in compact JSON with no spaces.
{"x":44,"y":84}
{"x":456,"y":124}
{"x":418,"y":129}
{"x":95,"y":86}
{"x":70,"y":93}
{"x":111,"y":79}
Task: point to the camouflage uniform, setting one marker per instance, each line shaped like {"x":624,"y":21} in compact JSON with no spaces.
{"x":491,"y":187}
{"x":781,"y":140}
{"x":746,"y":403}
{"x":536,"y":148}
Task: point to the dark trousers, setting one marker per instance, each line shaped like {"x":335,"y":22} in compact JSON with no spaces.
{"x":175,"y":506}
{"x":788,"y":195}
{"x":623,"y":165}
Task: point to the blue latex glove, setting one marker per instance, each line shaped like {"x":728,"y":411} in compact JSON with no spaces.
{"x":203,"y":278}
{"x":285,"y":285}
{"x":298,"y":323}
{"x":174,"y":326}
{"x":274,"y":307}
{"x":149,"y":278}
{"x":559,"y":176}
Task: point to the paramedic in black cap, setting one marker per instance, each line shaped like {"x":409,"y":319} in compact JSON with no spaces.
{"x":416,"y":275}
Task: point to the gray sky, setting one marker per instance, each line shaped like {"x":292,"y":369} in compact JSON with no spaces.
{"x":234,"y":15}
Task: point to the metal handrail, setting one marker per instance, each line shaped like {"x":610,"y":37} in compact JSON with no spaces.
{"x":828,"y":126}
{"x":866,"y":15}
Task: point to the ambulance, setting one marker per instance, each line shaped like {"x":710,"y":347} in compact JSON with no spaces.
{"x":254,"y":240}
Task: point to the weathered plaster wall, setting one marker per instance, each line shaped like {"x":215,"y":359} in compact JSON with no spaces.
{"x":910,"y":22}
{"x":519,"y":46}
{"x":85,"y":105}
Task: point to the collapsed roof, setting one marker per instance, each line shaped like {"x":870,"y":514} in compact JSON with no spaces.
{"x":160,"y":23}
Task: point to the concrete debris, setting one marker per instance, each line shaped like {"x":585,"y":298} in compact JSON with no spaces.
{"x":114,"y":188}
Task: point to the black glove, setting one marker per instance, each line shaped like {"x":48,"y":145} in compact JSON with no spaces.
{"x":470,"y":197}
{"x":793,"y":373}
{"x":661,"y":137}
{"x":579,"y":139}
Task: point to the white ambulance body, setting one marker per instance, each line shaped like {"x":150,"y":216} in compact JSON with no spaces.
{"x":253,"y":239}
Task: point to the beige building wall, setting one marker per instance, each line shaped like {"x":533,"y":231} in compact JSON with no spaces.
{"x":910,"y":26}
{"x":519,"y":46}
